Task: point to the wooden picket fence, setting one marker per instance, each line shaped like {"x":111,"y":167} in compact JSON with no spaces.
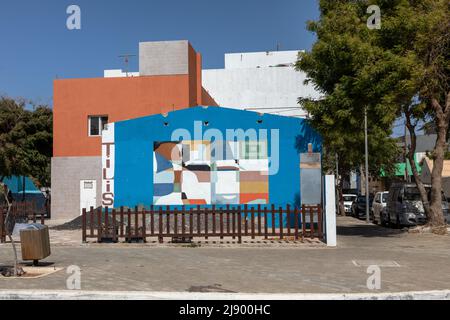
{"x":25,"y":212}
{"x":183,"y":225}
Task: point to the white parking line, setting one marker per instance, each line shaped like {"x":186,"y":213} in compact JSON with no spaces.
{"x":379,"y":263}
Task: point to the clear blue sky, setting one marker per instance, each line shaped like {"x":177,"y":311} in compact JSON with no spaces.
{"x":36,"y":46}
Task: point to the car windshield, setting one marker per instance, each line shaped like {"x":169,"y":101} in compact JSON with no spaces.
{"x":385,"y":197}
{"x":349,"y":198}
{"x":412,"y":194}
{"x":362,"y":199}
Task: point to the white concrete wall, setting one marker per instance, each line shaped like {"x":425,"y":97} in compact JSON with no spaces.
{"x":271,"y":90}
{"x":330,"y":211}
{"x":118,"y":73}
{"x":260,"y":59}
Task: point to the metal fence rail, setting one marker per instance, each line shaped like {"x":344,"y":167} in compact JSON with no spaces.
{"x":182,"y":224}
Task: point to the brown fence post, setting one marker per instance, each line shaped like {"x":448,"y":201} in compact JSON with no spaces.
{"x":129,"y":229}
{"x":168,"y":219}
{"x":175,"y":221}
{"x":228,"y":219}
{"x":191,"y":222}
{"x":99,"y":225}
{"x":199,"y":216}
{"x":273,"y":220}
{"x":281,"y":222}
{"x":83,"y":223}
{"x":311,"y":222}
{"x":106,"y":222}
{"x":144,"y":225}
{"x":296,"y":223}
{"x":320,"y":221}
{"x":303,"y":222}
{"x":239,"y":225}
{"x":245,"y":219}
{"x":253,"y":222}
{"x":121,"y":221}
{"x":259,"y":221}
{"x":288,"y":220}
{"x":160,"y":222}
{"x":266,"y":225}
{"x":214,"y":219}
{"x":233,"y":214}
{"x":206,"y":223}
{"x":136,"y":221}
{"x":183,"y":221}
{"x":91,"y":222}
{"x":114,"y":225}
{"x":152,"y":220}
{"x":221,"y":222}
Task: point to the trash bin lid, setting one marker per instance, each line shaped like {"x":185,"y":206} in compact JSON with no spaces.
{"x":18,"y":227}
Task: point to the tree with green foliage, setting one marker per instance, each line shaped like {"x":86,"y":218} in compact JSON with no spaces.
{"x":333,"y":66}
{"x":403,"y":67}
{"x":25,"y":149}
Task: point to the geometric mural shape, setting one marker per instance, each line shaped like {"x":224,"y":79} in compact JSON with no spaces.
{"x":204,"y":172}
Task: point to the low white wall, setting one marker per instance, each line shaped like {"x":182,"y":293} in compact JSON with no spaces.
{"x":330,"y":211}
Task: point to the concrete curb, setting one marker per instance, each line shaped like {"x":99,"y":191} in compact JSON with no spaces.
{"x":135,"y":295}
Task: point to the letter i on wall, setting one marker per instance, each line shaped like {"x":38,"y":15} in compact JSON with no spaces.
{"x":108,"y":156}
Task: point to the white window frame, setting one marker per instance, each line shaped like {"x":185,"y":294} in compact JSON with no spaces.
{"x":99,"y":118}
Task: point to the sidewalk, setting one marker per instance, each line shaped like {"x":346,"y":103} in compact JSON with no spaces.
{"x":133,"y":295}
{"x":408,"y":262}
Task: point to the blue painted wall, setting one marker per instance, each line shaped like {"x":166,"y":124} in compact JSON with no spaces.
{"x":134,"y":141}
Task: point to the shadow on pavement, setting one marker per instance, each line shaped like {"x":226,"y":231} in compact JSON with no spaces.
{"x":358,"y":228}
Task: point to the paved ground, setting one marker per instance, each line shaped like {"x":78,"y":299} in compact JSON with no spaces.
{"x":409,"y":262}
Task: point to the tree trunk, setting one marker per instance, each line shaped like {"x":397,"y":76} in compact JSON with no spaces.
{"x":410,"y":154}
{"x":8,"y":233}
{"x":15,"y":254}
{"x":436,"y":218}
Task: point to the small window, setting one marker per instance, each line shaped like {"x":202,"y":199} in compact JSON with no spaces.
{"x":96,"y":125}
{"x":88,"y":185}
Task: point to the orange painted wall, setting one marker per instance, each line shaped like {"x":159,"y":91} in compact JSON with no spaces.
{"x":119,"y":98}
{"x":74,"y":100}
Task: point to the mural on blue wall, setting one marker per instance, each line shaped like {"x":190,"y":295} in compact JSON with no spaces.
{"x":205,"y":172}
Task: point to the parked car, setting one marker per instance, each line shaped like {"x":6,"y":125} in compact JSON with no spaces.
{"x":379,"y":202}
{"x":405,"y":207}
{"x":384,"y":217}
{"x":348,"y":201}
{"x":359,"y":206}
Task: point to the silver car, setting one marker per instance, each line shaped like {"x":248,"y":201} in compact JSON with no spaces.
{"x":379,"y":203}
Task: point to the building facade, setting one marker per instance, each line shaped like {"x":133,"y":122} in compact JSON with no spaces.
{"x":211,"y":156}
{"x":261,"y":81}
{"x":170,"y":80}
{"x":82,"y":108}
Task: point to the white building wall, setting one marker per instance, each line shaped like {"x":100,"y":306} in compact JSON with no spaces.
{"x":260,"y":59}
{"x":251,"y":81}
{"x":118,"y":73}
